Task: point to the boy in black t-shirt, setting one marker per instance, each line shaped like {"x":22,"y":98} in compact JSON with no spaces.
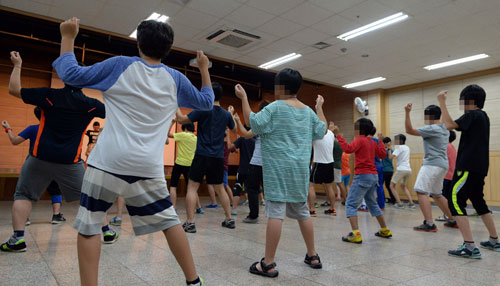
{"x":471,"y":168}
{"x":92,"y":134}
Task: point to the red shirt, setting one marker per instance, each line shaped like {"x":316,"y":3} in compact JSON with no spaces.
{"x":365,"y":150}
{"x":452,"y":159}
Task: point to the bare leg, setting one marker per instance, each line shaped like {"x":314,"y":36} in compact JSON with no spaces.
{"x":307,"y":230}
{"x":273,"y":235}
{"x":261,"y":196}
{"x":338,"y":190}
{"x":191,"y":196}
{"x":442,"y":203}
{"x":179,"y":245}
{"x":381,"y":221}
{"x":490,"y":224}
{"x":394,"y":191}
{"x":353,"y":220}
{"x":89,"y":251}
{"x":223,"y":199}
{"x":229,"y":193}
{"x":198,"y":204}
{"x":425,"y":206}
{"x":56,"y":208}
{"x":173,"y":195}
{"x":343,"y":191}
{"x":211,"y":194}
{"x":464,"y":226}
{"x":330,"y":194}
{"x":236,"y":201}
{"x":407,"y":192}
{"x":20,"y":213}
{"x":311,"y":197}
{"x":120,"y":203}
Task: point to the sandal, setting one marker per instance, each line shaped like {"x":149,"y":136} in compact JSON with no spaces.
{"x":265,"y":269}
{"x":309,"y":259}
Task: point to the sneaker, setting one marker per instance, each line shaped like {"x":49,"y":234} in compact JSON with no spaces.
{"x":245,"y":203}
{"x":451,"y":223}
{"x":353,"y":238}
{"x":399,"y":206}
{"x":462,"y":251}
{"x":189,"y":227}
{"x":201,"y":283}
{"x":425,"y":227}
{"x":58,"y":218}
{"x":316,"y":205}
{"x":412,"y":206}
{"x":442,"y":218}
{"x":116,"y":221}
{"x":384,"y":233}
{"x":263,"y":202}
{"x":110,"y":237}
{"x":200,"y":211}
{"x":28,"y":222}
{"x":331,"y":212}
{"x":234,"y":212}
{"x":13,"y":245}
{"x":250,"y":220}
{"x":488,"y":245}
{"x":325,"y":204}
{"x":343,"y":203}
{"x":363,"y":209}
{"x":229,"y":223}
{"x":212,"y":206}
{"x":338,"y":199}
{"x":312,"y":213}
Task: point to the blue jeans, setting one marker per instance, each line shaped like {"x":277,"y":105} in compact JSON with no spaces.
{"x":380,"y":188}
{"x":363,"y":186}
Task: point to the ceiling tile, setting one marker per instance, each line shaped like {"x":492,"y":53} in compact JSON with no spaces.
{"x":280,"y":27}
{"x":308,"y":36}
{"x":335,"y":25}
{"x":224,"y":54}
{"x":194,"y":19}
{"x":219,"y":8}
{"x":307,"y":14}
{"x":111,"y":19}
{"x":169,"y":8}
{"x":264,"y":55}
{"x":284,"y":45}
{"x":318,"y":68}
{"x":29,"y":6}
{"x":195,"y":46}
{"x":367,"y":12}
{"x":249,"y":16}
{"x":336,"y":6}
{"x":321,"y":56}
{"x":276,"y":7}
{"x":298,"y":64}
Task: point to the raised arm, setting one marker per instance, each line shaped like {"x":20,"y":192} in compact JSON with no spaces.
{"x":445,"y":115}
{"x":181,"y":118}
{"x":380,"y":151}
{"x":14,"y":139}
{"x":409,"y":128}
{"x":242,"y":95}
{"x":319,"y":110}
{"x":15,"y":76}
{"x":69,"y":31}
{"x":247,"y":134}
{"x":346,"y":147}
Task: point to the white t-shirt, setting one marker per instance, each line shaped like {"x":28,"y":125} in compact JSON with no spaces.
{"x":323,"y":149}
{"x":402,"y":154}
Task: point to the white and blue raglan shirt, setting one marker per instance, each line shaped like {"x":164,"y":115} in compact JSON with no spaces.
{"x":140,"y":101}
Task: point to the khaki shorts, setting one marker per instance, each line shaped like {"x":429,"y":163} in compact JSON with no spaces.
{"x":278,"y":210}
{"x":337,"y":175}
{"x":401,"y":177}
{"x":430,"y":180}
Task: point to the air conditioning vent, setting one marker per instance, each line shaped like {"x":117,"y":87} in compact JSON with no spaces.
{"x":321,"y":45}
{"x":234,"y":39}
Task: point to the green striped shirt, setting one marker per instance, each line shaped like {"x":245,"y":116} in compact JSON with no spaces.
{"x":286,"y":135}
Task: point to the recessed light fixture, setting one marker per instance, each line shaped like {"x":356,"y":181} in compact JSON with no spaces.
{"x":280,"y":61}
{"x":398,"y":17}
{"x":154,"y":16}
{"x":364,"y":82}
{"x":456,"y":62}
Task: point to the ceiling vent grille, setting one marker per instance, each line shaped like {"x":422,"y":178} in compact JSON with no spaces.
{"x":234,"y":39}
{"x":321,"y":45}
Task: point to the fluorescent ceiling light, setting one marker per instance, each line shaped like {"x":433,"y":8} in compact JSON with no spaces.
{"x":456,"y":62}
{"x":280,"y":61}
{"x":398,"y":17}
{"x":154,"y":16}
{"x":364,"y":82}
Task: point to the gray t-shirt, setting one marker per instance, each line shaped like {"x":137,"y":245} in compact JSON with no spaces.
{"x":436,"y":138}
{"x":257,"y":156}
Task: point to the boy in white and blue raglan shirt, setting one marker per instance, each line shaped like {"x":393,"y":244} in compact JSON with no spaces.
{"x":141,"y":96}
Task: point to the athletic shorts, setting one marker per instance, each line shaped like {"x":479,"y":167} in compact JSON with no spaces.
{"x":430,"y":180}
{"x":277,"y":210}
{"x":346,"y":179}
{"x":467,"y":186}
{"x":321,"y":173}
{"x":147,"y":200}
{"x":401,"y":177}
{"x":176,"y":174}
{"x":337,"y":175}
{"x":36,"y":176}
{"x":209,"y":167}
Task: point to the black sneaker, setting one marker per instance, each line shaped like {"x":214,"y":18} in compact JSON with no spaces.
{"x":189,"y":227}
{"x":462,"y":251}
{"x":110,"y":237}
{"x":13,"y":245}
{"x":425,"y":227}
{"x":325,"y":204}
{"x":229,"y":223}
{"x":58,"y":218}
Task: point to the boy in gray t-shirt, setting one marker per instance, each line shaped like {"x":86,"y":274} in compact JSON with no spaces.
{"x":431,"y":175}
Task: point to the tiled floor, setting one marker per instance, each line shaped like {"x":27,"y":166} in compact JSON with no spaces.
{"x":223,"y":256}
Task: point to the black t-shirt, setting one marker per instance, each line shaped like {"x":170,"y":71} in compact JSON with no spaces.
{"x":66,"y":113}
{"x":92,"y":134}
{"x":246,"y":147}
{"x":474,"y":148}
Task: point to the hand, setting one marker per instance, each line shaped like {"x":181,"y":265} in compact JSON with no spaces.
{"x":442,"y":96}
{"x":5,"y":124}
{"x":236,"y":117}
{"x":230,"y":108}
{"x":202,"y":60}
{"x":331,"y":125}
{"x":69,"y":28}
{"x":15,"y":58}
{"x":408,"y":107}
{"x":381,"y":137}
{"x":319,"y":102}
{"x":240,"y":91}
{"x":335,"y":129}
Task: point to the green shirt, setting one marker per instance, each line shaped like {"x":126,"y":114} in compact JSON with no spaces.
{"x":286,"y":134}
{"x":337,"y":155}
{"x":186,"y":146}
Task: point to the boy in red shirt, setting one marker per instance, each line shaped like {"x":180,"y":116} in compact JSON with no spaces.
{"x":364,"y":185}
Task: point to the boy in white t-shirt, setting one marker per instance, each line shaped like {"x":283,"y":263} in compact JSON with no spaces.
{"x":403,"y":170}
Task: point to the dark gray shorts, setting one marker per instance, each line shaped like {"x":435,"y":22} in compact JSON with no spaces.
{"x":36,"y":175}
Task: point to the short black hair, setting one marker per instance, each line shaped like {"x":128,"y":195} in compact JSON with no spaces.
{"x":97,"y":123}
{"x":365,"y":126}
{"x":401,"y":138}
{"x":374,"y":131}
{"x":290,"y":79}
{"x":263,"y":104}
{"x":433,"y":111}
{"x":386,"y":140}
{"x":188,"y":126}
{"x":453,"y":136}
{"x":217,"y":90}
{"x":38,"y":112}
{"x":473,"y":93}
{"x":155,"y":38}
